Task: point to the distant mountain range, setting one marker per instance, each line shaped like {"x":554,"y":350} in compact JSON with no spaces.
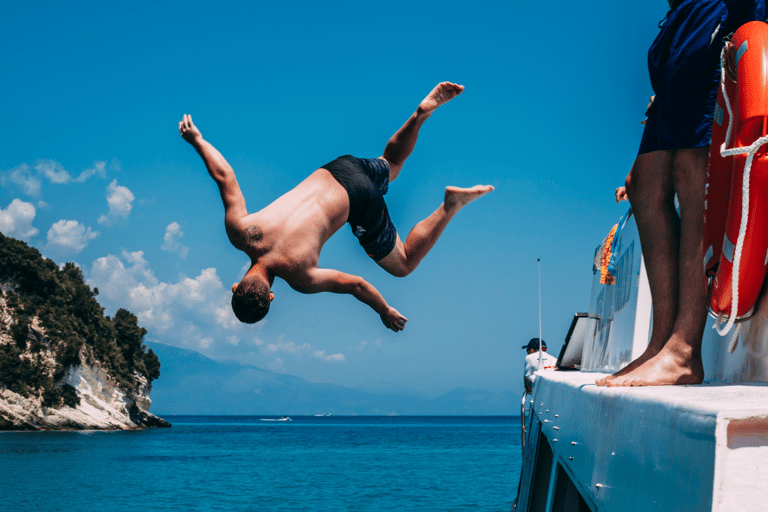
{"x":193,"y":384}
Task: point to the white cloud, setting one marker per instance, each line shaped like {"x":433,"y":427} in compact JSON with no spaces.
{"x":99,"y":168}
{"x":120,"y":201}
{"x":277,"y":365}
{"x":287,"y":346}
{"x":282,"y":345}
{"x":68,"y":237}
{"x":29,"y":179}
{"x":115,"y":165}
{"x":16,"y":220}
{"x":359,"y":347}
{"x":191,"y":312}
{"x":173,"y":234}
{"x":23,"y":178}
{"x":53,"y":170}
{"x":378,"y":342}
{"x":56,"y":173}
{"x":333,"y":358}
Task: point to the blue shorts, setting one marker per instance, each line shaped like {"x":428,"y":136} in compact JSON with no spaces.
{"x":684,"y":67}
{"x":366,"y":180}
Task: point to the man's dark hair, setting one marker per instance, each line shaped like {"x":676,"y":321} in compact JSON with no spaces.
{"x":250,"y":302}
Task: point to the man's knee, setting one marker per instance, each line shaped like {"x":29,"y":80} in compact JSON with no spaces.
{"x":396,"y":262}
{"x":690,"y":171}
{"x":398,"y":267}
{"x":650,"y":178}
{"x":394,"y":168}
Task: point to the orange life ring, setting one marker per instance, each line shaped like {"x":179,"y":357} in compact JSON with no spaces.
{"x":737,"y":152}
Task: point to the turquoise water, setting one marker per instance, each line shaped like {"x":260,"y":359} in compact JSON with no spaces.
{"x":242,"y":463}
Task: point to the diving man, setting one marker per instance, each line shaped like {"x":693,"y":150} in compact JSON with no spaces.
{"x":285,"y":239}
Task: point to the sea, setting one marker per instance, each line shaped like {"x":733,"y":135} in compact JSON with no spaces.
{"x":317,"y":463}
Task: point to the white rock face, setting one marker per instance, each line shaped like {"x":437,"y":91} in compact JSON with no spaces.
{"x":103,"y":405}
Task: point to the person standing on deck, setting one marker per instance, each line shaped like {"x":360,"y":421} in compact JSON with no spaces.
{"x":285,"y":238}
{"x":684,"y":66}
{"x":534,"y":363}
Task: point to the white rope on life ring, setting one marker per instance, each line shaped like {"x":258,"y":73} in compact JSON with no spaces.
{"x":750,"y":151}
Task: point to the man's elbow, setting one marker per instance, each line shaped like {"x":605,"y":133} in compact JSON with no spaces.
{"x":356,"y":287}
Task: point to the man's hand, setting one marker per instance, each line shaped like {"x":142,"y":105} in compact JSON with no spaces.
{"x":393,"y":320}
{"x":188,"y":130}
{"x":648,"y":109}
{"x":621,"y":194}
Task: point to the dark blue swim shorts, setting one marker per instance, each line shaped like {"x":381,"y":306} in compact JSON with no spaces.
{"x":366,"y":181}
{"x":684,"y":67}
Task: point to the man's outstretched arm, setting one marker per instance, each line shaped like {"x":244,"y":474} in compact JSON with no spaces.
{"x":329,"y":280}
{"x":220,"y":171}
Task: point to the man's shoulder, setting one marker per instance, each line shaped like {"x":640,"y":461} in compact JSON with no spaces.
{"x":297,"y":276}
{"x":246,"y":233}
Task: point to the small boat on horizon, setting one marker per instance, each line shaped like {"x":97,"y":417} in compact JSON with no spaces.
{"x":284,"y":418}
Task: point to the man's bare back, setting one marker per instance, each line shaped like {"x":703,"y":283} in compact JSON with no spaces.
{"x":285,"y":238}
{"x":297,"y":225}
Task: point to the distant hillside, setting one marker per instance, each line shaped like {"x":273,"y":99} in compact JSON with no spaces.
{"x":63,"y":364}
{"x":194,"y":384}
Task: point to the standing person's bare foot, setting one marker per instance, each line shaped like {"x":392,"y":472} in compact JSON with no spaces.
{"x":645,"y":356}
{"x":675,"y":364}
{"x":456,"y":198}
{"x":441,"y":94}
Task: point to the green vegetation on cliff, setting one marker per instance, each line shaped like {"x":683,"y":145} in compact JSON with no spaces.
{"x":74,"y":325}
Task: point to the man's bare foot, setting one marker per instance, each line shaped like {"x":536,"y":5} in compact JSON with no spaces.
{"x":441,"y":94}
{"x":666,"y":368}
{"x":456,"y":198}
{"x":645,"y":356}
{"x":188,"y":130}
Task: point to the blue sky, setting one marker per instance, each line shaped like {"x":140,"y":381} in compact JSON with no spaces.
{"x":93,"y":170}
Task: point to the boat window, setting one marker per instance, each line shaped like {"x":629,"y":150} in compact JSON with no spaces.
{"x":542,"y":474}
{"x":567,"y":497}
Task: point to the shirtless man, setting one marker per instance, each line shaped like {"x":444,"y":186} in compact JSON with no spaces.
{"x":285,"y":238}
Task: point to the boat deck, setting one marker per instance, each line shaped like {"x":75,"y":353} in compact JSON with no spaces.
{"x":696,"y":444}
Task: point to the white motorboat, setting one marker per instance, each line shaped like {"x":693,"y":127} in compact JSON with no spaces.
{"x":590,"y":448}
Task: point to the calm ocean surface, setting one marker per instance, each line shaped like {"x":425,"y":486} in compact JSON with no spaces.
{"x":242,"y":463}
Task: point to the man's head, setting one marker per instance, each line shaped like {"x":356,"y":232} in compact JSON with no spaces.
{"x":251,"y":297}
{"x":533,"y":346}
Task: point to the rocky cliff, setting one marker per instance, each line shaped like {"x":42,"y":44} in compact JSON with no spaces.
{"x":63,"y":364}
{"x":103,"y":405}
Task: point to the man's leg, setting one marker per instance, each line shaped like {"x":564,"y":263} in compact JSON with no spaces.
{"x":405,"y":257}
{"x":676,"y":359}
{"x":403,"y":141}
{"x":651,"y":194}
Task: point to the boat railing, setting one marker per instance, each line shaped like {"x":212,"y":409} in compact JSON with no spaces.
{"x":523,"y":410}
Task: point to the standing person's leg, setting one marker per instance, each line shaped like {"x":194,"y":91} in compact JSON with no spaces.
{"x":649,"y":187}
{"x":679,"y":359}
{"x":690,"y":181}
{"x":401,"y":145}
